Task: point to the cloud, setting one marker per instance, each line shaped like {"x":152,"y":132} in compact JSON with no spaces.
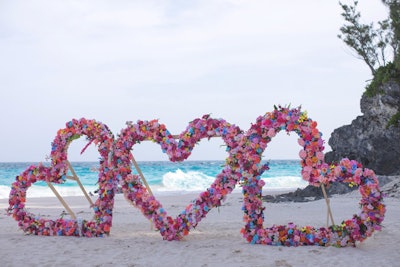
{"x":174,"y":60}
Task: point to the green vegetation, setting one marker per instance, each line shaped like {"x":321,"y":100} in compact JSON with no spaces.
{"x":374,"y":44}
{"x":382,"y":75}
{"x":394,"y":16}
{"x":394,"y":120}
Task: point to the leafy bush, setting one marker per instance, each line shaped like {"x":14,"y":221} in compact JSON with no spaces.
{"x":383,"y":74}
{"x":394,"y":120}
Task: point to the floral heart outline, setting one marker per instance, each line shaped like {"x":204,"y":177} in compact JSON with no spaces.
{"x":111,"y":170}
{"x":134,"y":191}
{"x":243,"y":165}
{"x":316,"y":172}
{"x":56,"y":173}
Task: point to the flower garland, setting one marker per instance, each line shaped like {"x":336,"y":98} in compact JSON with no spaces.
{"x":316,"y":172}
{"x":99,"y":134}
{"x":134,"y":191}
{"x":243,"y":165}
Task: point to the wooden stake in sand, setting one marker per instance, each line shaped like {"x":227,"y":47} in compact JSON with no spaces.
{"x":143,"y":180}
{"x":140,"y":171}
{"x":61,"y":199}
{"x":141,"y":175}
{"x":76,"y":178}
{"x":329,"y":213}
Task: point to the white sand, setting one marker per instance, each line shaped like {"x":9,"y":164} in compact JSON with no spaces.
{"x":215,"y":242}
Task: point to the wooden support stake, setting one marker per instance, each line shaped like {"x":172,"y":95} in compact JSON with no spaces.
{"x":60,"y":198}
{"x":141,"y":175}
{"x":143,"y":180}
{"x":71,"y":213}
{"x":329,"y":214}
{"x":75,"y":177}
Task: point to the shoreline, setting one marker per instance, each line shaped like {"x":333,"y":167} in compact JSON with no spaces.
{"x":157,"y":190}
{"x":216,"y":241}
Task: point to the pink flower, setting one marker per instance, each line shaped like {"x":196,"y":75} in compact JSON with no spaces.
{"x":320,"y":155}
{"x":301,"y":142}
{"x":271,"y":133}
{"x":303,"y":154}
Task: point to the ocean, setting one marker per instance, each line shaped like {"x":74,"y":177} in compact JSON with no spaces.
{"x":163,"y":177}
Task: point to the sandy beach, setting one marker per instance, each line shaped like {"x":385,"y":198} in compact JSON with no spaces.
{"x":215,"y":242}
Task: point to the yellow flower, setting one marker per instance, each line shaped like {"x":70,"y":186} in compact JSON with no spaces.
{"x":303,"y":116}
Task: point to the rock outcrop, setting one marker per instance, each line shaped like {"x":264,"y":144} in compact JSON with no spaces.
{"x":390,"y":186}
{"x":368,"y":139}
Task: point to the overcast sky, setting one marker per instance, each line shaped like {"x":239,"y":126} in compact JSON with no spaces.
{"x":118,"y":61}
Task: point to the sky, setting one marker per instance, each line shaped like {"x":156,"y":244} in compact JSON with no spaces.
{"x":118,"y":61}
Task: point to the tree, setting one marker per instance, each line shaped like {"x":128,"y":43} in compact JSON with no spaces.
{"x":394,"y":15}
{"x":373,"y":44}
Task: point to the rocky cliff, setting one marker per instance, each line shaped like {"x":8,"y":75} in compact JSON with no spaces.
{"x":368,"y":139}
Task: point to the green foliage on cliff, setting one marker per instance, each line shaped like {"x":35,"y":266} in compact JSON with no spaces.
{"x":394,"y":120}
{"x":382,"y":75}
{"x":374,"y":43}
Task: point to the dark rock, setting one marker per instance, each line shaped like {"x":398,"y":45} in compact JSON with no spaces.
{"x":392,"y":188}
{"x":368,"y":139}
{"x":384,"y":180}
{"x":310,"y":193}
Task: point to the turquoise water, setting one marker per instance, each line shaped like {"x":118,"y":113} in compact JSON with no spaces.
{"x":162,"y":176}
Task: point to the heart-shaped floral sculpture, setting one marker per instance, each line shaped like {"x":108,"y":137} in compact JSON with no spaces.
{"x":56,"y":173}
{"x":243,"y":165}
{"x":316,"y":172}
{"x":175,"y":229}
